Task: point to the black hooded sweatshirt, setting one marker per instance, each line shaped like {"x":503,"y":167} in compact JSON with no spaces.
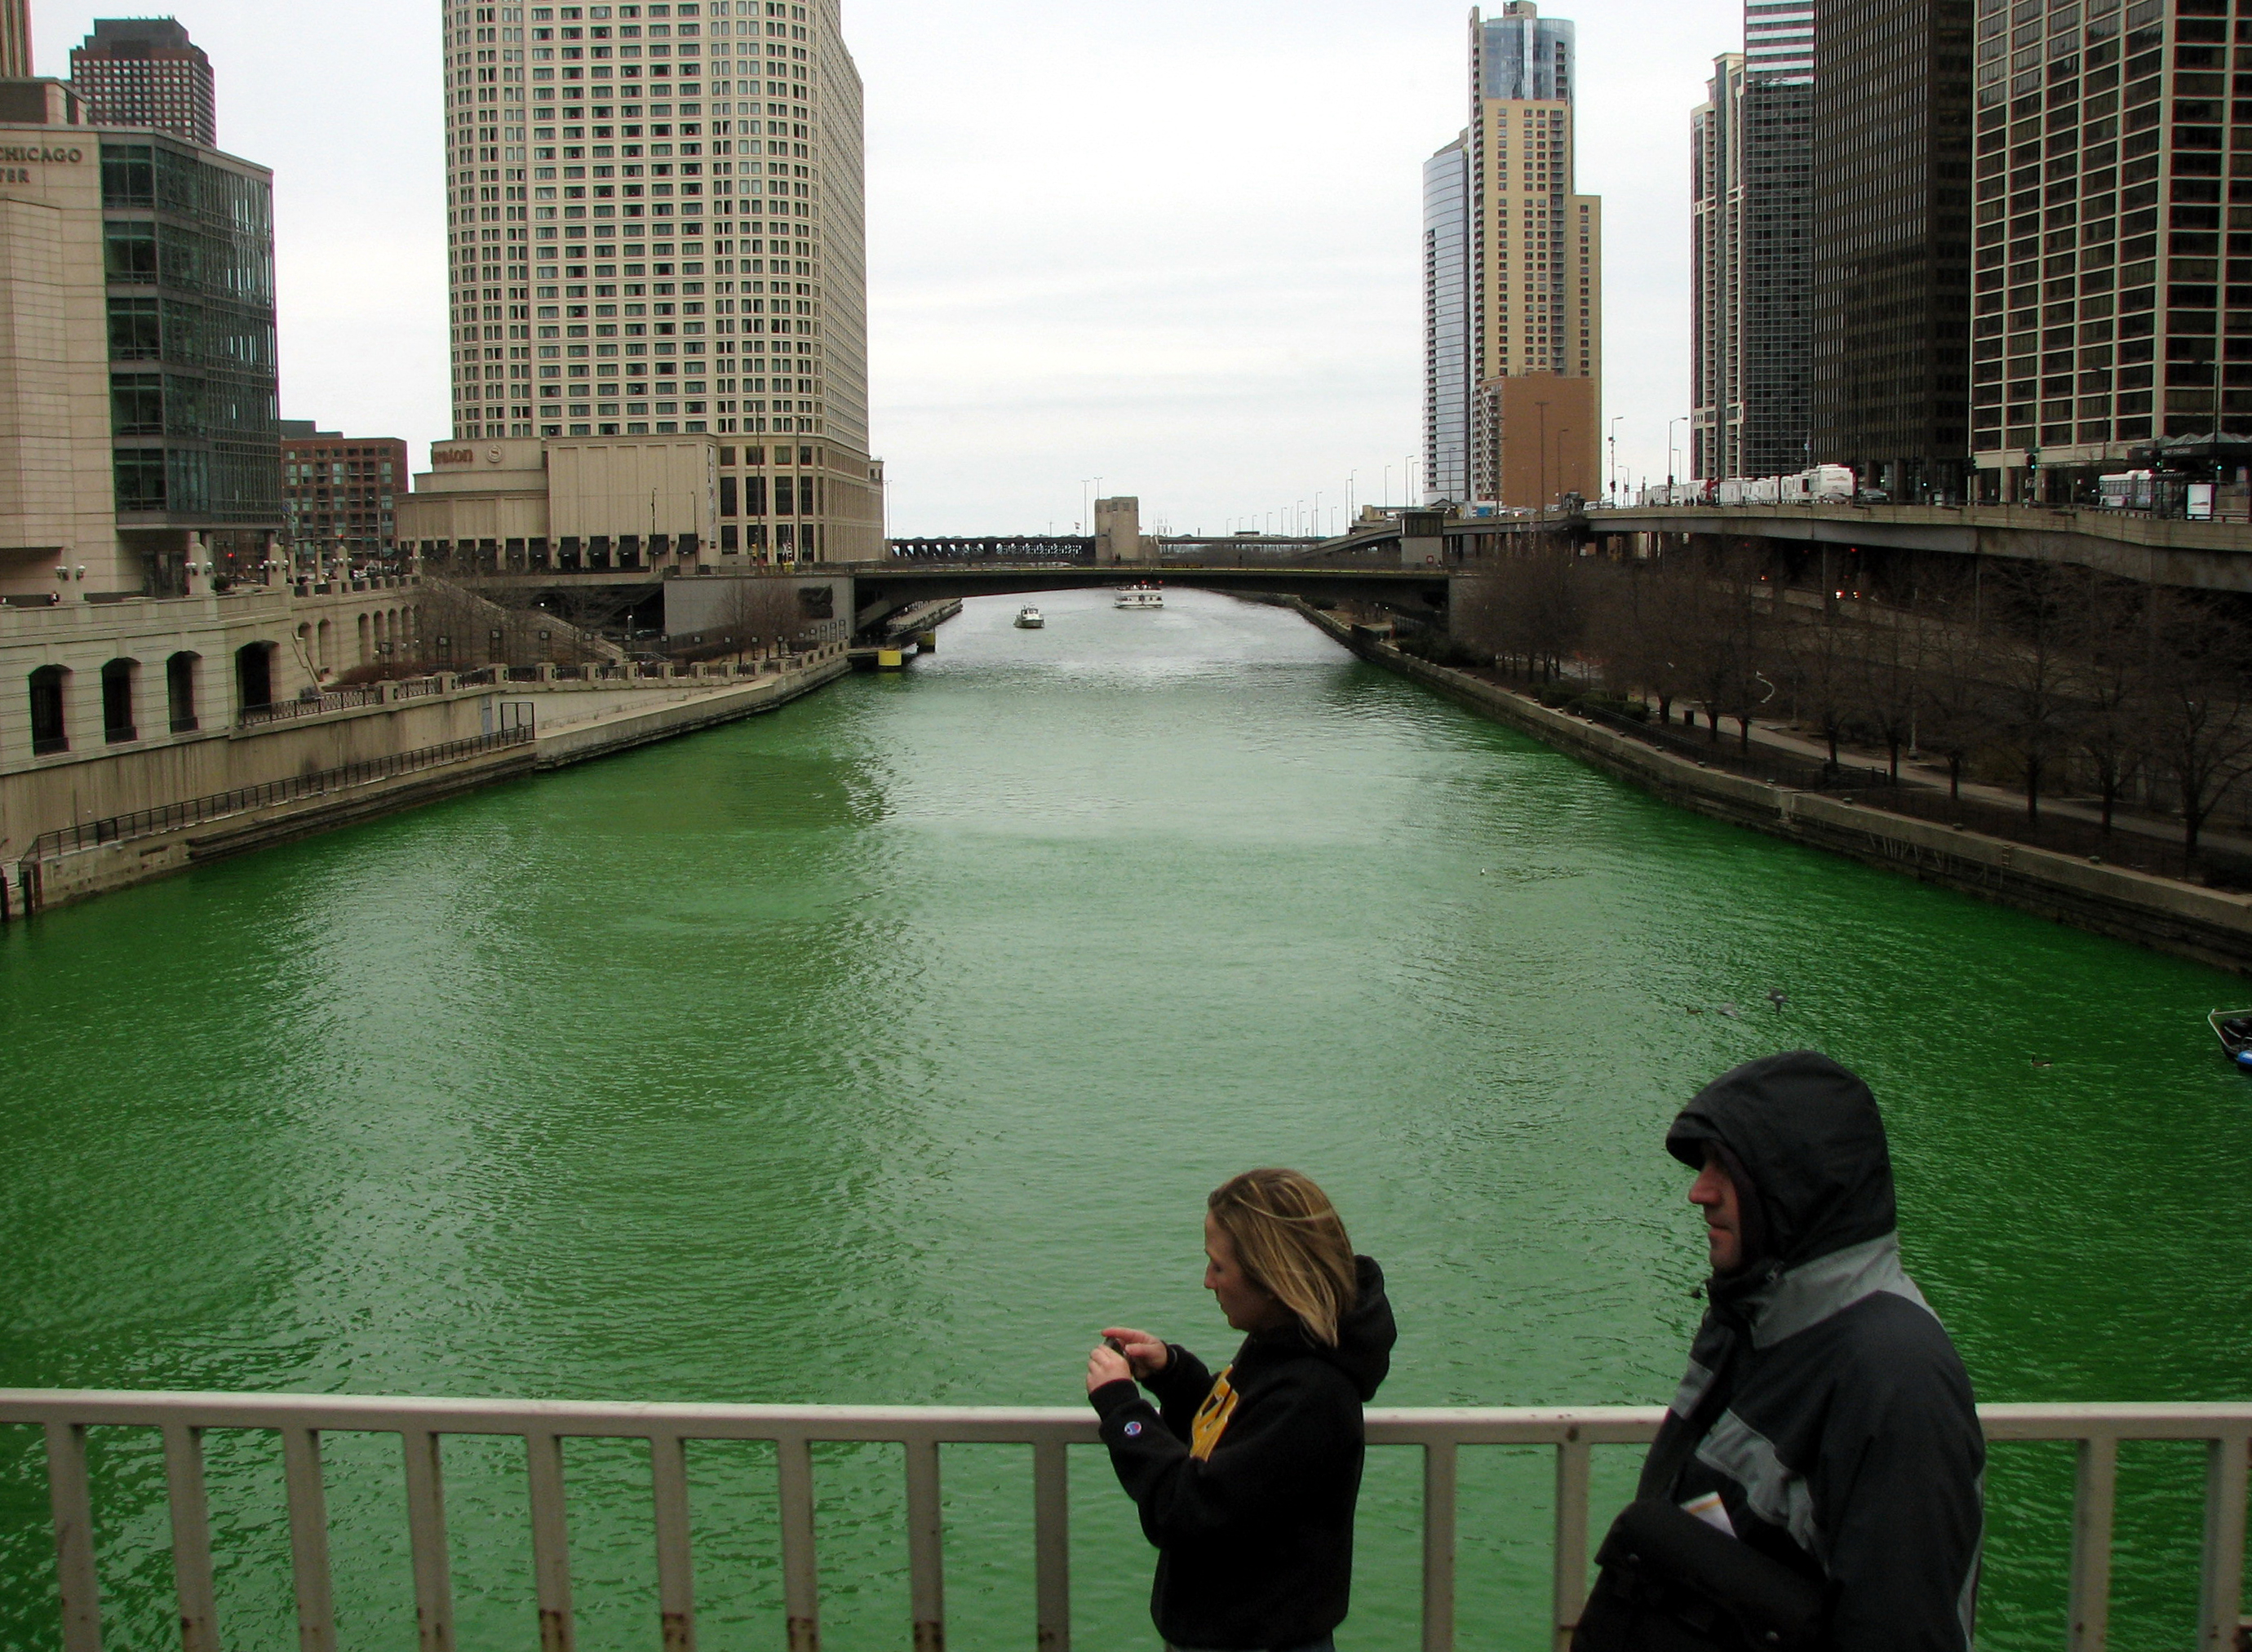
{"x":1254,"y":1542}
{"x":1837,"y":1423}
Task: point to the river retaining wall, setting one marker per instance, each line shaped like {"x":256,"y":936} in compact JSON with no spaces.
{"x":574,"y":724}
{"x":2213,"y":926}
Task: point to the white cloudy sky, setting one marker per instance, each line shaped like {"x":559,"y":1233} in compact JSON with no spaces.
{"x":1174,"y":244}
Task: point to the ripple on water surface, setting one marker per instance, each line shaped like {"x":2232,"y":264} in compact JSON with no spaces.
{"x":883,"y":1048}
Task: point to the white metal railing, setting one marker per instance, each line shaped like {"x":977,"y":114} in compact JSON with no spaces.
{"x":422,"y":1424}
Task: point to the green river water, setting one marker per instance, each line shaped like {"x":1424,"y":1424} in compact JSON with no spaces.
{"x":882,"y":1049}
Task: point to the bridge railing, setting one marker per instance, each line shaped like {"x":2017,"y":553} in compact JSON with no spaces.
{"x":422,"y":1425}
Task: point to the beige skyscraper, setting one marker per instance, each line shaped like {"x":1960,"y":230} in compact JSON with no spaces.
{"x":1536,"y":268}
{"x":656,"y":229}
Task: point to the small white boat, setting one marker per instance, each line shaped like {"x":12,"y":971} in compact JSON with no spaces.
{"x":1143,"y":595}
{"x":1028,"y":618}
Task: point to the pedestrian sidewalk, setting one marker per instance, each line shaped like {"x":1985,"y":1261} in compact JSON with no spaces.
{"x":1930,"y":776}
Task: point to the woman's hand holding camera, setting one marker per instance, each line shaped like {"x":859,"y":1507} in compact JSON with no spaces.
{"x":1126,"y":1354}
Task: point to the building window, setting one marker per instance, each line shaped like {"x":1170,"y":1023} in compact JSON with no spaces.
{"x":180,"y":691}
{"x":117,"y":685}
{"x":48,"y":733}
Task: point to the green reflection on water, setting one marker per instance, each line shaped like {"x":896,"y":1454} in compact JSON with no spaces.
{"x":881,"y":1049}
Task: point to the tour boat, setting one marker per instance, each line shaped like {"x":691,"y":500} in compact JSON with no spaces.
{"x":1145,"y":595}
{"x":2234,"y":1029}
{"x":1028,"y":618}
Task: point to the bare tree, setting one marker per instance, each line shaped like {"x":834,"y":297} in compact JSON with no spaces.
{"x":1633,"y":624}
{"x":1888,"y":668}
{"x":2036,"y":709}
{"x":1954,"y":699}
{"x":2201,"y":705}
{"x":1818,"y":646}
{"x":760,"y":613}
{"x":2113,"y":640}
{"x":1727,"y":629}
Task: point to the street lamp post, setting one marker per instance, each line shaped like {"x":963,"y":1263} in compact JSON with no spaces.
{"x":1683,"y":419}
{"x":1542,"y":516}
{"x":1614,"y":479}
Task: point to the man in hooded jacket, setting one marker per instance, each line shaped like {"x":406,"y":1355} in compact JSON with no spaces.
{"x":1825,"y":1410}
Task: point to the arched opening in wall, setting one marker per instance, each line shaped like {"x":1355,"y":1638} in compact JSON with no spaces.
{"x":119,"y":680}
{"x":254,"y":676}
{"x":49,"y":733}
{"x":366,"y":638}
{"x":321,"y":647}
{"x":180,"y":691}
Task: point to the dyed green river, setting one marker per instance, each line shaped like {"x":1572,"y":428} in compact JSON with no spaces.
{"x":883,"y":1049}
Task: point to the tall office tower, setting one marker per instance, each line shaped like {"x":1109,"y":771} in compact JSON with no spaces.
{"x":658,"y":230}
{"x":1447,"y":324}
{"x":1891,"y":242}
{"x":145,"y":72}
{"x":15,"y":39}
{"x":1716,"y":190}
{"x":137,"y":382}
{"x":2100,"y":179}
{"x":1777,"y":222}
{"x":1536,"y":268}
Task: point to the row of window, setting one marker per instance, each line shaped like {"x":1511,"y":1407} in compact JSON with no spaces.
{"x":122,"y":692}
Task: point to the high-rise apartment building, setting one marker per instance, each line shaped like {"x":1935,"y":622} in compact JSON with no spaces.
{"x":2108,"y":308}
{"x":1891,"y":242}
{"x":145,"y":72}
{"x":1447,"y":324}
{"x":1535,"y":256}
{"x":342,"y":492}
{"x":1716,"y":201}
{"x":658,"y":231}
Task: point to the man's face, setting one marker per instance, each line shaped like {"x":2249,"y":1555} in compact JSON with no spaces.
{"x":1715,"y":1193}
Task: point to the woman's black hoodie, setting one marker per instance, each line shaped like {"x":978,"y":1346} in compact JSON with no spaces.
{"x":1255,"y":1542}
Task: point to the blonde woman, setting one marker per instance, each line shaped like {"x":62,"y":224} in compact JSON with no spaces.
{"x":1246,"y":1480}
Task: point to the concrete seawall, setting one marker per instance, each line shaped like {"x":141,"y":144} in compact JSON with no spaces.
{"x":616,"y":721}
{"x":2209,"y":926}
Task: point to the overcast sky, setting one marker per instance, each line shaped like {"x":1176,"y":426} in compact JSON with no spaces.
{"x":1174,"y":244}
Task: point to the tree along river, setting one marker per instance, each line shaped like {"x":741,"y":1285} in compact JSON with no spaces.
{"x":883,"y":1049}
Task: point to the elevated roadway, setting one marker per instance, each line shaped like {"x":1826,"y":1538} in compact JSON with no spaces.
{"x":2210,"y":556}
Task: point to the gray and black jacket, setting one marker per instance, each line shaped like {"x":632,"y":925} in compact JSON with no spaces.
{"x":1836,"y":1420}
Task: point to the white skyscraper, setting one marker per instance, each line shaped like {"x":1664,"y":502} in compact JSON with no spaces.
{"x":656,"y":227}
{"x":1447,"y":387}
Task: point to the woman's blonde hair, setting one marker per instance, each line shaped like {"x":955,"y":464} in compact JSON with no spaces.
{"x":1289,"y":1240}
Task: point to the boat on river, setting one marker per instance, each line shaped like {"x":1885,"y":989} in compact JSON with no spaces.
{"x":2234,"y":1029}
{"x":1144,"y":593}
{"x":1028,"y":618}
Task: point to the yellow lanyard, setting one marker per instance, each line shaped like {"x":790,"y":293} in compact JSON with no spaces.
{"x":1212,"y":1417}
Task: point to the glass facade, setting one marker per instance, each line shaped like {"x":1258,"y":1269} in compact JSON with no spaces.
{"x":1447,"y":322}
{"x":193,"y":384}
{"x":1527,"y":59}
{"x":1776,"y":223}
{"x":1892,"y":243}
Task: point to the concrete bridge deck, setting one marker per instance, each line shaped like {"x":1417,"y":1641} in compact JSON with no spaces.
{"x":2211,"y":556}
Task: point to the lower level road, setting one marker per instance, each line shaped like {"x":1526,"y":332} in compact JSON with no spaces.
{"x":883,"y":1049}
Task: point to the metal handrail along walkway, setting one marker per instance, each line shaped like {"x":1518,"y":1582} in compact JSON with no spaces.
{"x":422,"y":1425}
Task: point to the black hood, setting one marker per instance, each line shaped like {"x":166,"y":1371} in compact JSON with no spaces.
{"x":1808,"y":1137}
{"x":1365,"y":1334}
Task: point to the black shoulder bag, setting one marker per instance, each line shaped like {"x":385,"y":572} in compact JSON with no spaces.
{"x":1670,"y":1583}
